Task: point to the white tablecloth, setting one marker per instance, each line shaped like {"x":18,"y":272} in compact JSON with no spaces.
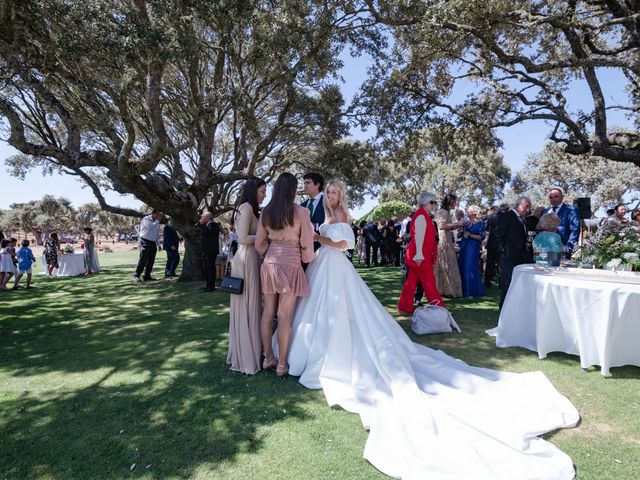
{"x":70,"y":264}
{"x":593,"y":314}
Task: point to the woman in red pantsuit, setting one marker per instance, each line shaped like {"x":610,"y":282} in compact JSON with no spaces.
{"x":421,"y":255}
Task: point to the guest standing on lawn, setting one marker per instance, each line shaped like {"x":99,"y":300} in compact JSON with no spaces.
{"x":51,"y":249}
{"x":469,"y":258}
{"x":6,"y":264}
{"x":245,"y":309}
{"x":210,"y":248}
{"x":25,"y":261}
{"x":422,"y":253}
{"x":511,"y":234}
{"x":284,"y":238}
{"x":446,"y":269}
{"x":89,"y":244}
{"x":170,"y":243}
{"x":148,"y":241}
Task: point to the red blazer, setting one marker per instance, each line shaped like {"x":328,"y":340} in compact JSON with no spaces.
{"x":429,"y":246}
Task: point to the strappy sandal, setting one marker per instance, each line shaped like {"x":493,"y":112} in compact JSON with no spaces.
{"x":269,"y":363}
{"x":282,"y":370}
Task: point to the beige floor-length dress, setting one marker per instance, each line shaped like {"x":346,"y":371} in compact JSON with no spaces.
{"x":245,"y":345}
{"x":446,"y":268}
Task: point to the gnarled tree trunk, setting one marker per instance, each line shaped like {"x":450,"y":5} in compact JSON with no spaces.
{"x":192,"y":261}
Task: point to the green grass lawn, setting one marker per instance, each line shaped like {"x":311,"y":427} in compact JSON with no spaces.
{"x":104,"y":378}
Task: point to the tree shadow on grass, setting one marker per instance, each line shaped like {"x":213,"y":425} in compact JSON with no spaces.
{"x":101,"y":374}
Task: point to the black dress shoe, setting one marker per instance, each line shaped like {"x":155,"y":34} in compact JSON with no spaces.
{"x":148,"y":279}
{"x":207,"y":289}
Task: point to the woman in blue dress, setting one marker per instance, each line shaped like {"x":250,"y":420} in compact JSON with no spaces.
{"x":469,"y":258}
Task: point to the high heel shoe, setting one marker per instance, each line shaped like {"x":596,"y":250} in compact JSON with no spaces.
{"x":269,"y":363}
{"x":282,"y":370}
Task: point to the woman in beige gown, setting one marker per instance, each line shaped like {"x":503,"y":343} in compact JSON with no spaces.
{"x":446,"y":269}
{"x":245,"y":310}
{"x":284,"y":238}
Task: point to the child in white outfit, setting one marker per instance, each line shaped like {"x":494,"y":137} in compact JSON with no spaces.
{"x":7,"y":268}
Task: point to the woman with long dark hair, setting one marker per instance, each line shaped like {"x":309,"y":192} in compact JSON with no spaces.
{"x":448,"y":281}
{"x":245,"y":309}
{"x":89,"y":242}
{"x":284,"y":238}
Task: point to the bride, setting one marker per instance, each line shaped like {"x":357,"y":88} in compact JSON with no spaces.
{"x":429,"y":415}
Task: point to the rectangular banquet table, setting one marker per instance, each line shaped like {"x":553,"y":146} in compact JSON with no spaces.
{"x":591,"y":313}
{"x":70,"y":264}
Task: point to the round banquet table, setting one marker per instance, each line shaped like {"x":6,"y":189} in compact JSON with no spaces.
{"x":70,"y":264}
{"x":590,"y":313}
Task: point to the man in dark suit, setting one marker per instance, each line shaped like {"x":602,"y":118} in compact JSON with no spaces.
{"x":569,"y":228}
{"x":170,"y":244}
{"x":313,"y":185}
{"x":511,"y":236}
{"x":371,"y":240}
{"x":210,"y":247}
{"x":492,"y":245}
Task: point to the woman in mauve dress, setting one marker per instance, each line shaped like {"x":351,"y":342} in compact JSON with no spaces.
{"x":284,"y":238}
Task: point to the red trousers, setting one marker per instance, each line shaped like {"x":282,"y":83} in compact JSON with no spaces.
{"x":428,"y":280}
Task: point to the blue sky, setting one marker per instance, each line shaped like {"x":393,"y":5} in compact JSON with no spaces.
{"x":519,"y":142}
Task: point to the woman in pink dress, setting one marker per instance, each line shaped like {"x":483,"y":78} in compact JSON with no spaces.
{"x":284,"y":238}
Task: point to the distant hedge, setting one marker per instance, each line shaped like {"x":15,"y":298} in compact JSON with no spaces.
{"x":387,"y":210}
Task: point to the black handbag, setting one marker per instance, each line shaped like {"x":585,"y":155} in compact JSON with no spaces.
{"x":231,"y":284}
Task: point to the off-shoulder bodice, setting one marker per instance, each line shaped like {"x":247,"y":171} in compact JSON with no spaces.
{"x":338,"y":232}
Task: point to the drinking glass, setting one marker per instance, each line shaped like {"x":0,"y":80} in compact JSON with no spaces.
{"x":541,"y":259}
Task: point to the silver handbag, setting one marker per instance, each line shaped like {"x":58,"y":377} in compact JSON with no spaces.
{"x":433,"y":319}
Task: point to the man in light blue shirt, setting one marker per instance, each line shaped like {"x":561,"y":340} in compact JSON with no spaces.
{"x":148,"y":240}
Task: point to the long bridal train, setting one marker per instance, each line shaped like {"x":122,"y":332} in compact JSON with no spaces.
{"x":429,"y":415}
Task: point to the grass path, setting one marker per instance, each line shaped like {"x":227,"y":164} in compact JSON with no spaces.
{"x":104,"y":379}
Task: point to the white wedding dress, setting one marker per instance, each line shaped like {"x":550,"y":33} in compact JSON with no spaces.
{"x":429,"y":416}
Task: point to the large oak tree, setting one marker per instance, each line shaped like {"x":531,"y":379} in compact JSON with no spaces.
{"x":174,"y":101}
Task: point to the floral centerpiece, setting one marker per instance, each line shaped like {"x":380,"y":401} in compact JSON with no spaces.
{"x":612,"y":248}
{"x":67,"y":248}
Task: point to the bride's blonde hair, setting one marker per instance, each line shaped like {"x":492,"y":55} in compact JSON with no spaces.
{"x":343,"y":202}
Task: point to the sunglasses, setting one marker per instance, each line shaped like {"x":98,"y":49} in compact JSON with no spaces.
{"x":433,"y":202}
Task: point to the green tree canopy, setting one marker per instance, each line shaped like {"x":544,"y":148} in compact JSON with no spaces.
{"x":386,"y":210}
{"x":445,"y":159}
{"x":604,"y":181}
{"x":518,"y":60}
{"x":40,"y":217}
{"x":175,"y":102}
